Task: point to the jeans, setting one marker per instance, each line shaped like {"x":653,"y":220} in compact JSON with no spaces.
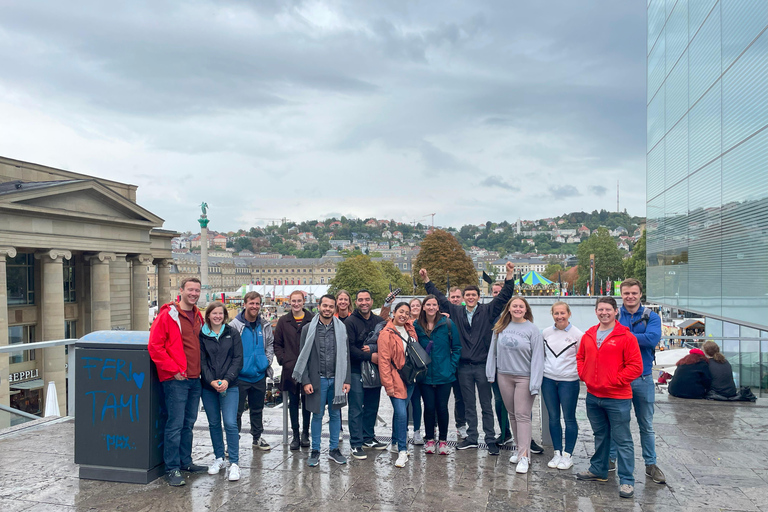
{"x":519,"y":401}
{"x":502,"y":415}
{"x":414,"y":409}
{"x":435,"y":403}
{"x":643,"y":398}
{"x":459,"y":413}
{"x":610,"y":422}
{"x":400,"y":420}
{"x":255,"y":392}
{"x":182,"y":402}
{"x":327,"y":391}
{"x":559,"y":394}
{"x":363,"y":409}
{"x":295,"y":402}
{"x":472,"y":376}
{"x":216,"y":407}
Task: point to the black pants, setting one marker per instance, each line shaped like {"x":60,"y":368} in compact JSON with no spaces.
{"x":296,"y":402}
{"x":458,"y":405}
{"x":436,"y":401}
{"x":255,"y":392}
{"x":471,"y":377}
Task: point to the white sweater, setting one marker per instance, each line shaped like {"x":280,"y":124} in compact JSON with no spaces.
{"x":560,"y":347}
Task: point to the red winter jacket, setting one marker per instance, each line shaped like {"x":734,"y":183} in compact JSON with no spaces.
{"x":166,"y":348}
{"x":608,"y":371}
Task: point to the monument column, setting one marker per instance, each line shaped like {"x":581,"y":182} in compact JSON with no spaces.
{"x":5,"y":392}
{"x":163,"y":281}
{"x":101,"y":311}
{"x":205,"y":287}
{"x":52,"y":313}
{"x":139,"y":303}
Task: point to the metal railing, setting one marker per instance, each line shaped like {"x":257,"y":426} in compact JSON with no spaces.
{"x":21,"y":347}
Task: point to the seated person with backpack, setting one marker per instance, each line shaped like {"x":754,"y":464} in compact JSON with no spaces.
{"x":692,"y":378}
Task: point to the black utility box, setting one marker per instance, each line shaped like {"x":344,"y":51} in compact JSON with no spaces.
{"x":119,"y":408}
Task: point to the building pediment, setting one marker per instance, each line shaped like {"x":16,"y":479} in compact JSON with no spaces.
{"x":76,"y":199}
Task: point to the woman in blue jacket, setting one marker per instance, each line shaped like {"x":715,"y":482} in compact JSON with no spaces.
{"x":221,"y":359}
{"x":440,"y":338}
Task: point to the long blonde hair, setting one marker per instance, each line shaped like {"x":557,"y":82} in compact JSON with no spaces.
{"x":506,"y":317}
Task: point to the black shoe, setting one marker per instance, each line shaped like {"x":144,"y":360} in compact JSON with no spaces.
{"x":194,"y":468}
{"x":175,"y":479}
{"x":305,"y":440}
{"x":465,"y":444}
{"x":358,"y":453}
{"x":535,"y":448}
{"x":375,"y":444}
{"x":587,"y":476}
{"x":295,"y":443}
{"x":337,"y":457}
{"x":502,"y":440}
{"x":493,"y":449}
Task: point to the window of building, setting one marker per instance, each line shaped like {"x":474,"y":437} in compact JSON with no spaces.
{"x":70,"y":329}
{"x":322,"y":280}
{"x":19,"y":334}
{"x":21,"y":279}
{"x":69,"y":280}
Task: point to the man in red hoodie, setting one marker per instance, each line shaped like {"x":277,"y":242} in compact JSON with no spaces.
{"x":608,"y":361}
{"x":174,"y":346}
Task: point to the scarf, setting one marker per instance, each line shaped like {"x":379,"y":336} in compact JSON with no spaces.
{"x":340,"y":330}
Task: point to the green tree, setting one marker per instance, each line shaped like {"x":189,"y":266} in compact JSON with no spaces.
{"x":552,"y":270}
{"x":608,"y":262}
{"x":395,"y":277}
{"x":442,"y":255}
{"x":243,"y":243}
{"x":360,"y":272}
{"x":634,"y":266}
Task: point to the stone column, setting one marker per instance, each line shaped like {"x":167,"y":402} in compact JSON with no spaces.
{"x":101,"y":312}
{"x":139,"y":303}
{"x":5,"y":392}
{"x":52,"y":315}
{"x":163,"y":281}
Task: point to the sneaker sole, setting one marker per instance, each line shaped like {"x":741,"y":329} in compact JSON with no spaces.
{"x":339,"y":462}
{"x":312,"y":465}
{"x":467,"y":447}
{"x":359,"y":457}
{"x":623,"y":495}
{"x":563,"y":469}
{"x":591,"y":479}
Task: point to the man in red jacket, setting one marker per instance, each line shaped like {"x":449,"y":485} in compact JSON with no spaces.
{"x":174,"y":346}
{"x":608,"y":361}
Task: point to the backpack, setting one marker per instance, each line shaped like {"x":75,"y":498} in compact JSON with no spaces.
{"x":369,"y":371}
{"x":416,"y":361}
{"x":644,"y":318}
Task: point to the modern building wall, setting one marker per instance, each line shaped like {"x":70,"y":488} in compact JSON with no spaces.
{"x":707,"y":159}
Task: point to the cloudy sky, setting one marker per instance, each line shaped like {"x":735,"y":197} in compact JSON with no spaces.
{"x":474,"y":110}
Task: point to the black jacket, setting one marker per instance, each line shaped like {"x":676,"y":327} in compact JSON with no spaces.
{"x":221,"y":359}
{"x":287,"y":333}
{"x":357,"y":332}
{"x":475,"y":338}
{"x":722,"y":378}
{"x":691,"y":380}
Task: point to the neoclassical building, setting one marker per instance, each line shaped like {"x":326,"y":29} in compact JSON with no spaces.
{"x":75,"y":252}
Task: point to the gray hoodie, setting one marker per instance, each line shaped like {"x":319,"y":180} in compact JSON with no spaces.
{"x":517,"y":350}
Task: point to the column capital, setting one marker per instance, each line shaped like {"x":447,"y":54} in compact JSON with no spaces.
{"x":7,"y":251}
{"x":163,"y":262}
{"x":141,"y":259}
{"x":101,"y":257}
{"x":53,"y":254}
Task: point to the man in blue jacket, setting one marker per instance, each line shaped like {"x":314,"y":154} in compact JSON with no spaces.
{"x":646,"y":326}
{"x":258,"y":351}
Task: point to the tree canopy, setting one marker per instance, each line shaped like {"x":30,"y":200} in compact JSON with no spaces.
{"x":634,"y":266}
{"x":360,"y":272}
{"x":608,"y":261}
{"x":442,"y":255}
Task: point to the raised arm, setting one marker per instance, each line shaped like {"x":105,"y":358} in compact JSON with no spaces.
{"x":442,"y":300}
{"x":506,"y":293}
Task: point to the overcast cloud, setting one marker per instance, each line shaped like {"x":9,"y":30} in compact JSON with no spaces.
{"x":483,"y":110}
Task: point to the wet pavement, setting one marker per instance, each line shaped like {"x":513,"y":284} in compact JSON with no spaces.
{"x":715,"y":456}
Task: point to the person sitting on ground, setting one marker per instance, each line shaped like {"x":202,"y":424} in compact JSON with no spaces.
{"x":692,"y":378}
{"x":723,"y":386}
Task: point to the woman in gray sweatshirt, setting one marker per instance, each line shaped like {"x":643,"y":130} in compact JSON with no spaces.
{"x":516,"y":359}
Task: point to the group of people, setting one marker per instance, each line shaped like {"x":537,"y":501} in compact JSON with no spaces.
{"x":704,"y":373}
{"x":420,"y":353}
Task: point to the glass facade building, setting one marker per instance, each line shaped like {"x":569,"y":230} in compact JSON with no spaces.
{"x":707,"y":161}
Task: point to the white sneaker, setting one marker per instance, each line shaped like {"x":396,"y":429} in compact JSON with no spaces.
{"x":393,"y":448}
{"x":462,"y":431}
{"x":417,"y":439}
{"x":234,"y":472}
{"x":402,"y":459}
{"x":555,"y":460}
{"x":522,"y":466}
{"x":566,"y":461}
{"x":515,"y":458}
{"x":217,"y":466}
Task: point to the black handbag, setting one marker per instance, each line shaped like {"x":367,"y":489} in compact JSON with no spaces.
{"x":370,"y":375}
{"x":416,"y":361}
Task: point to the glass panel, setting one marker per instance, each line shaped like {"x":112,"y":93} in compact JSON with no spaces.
{"x":676,"y":33}
{"x":655,"y":120}
{"x":677,"y":92}
{"x":704,"y":129}
{"x":704,"y":240}
{"x":704,"y":55}
{"x":698,"y":10}
{"x":20,"y":275}
{"x":656,"y":68}
{"x":655,"y":172}
{"x":742,"y":21}
{"x":676,"y":150}
{"x":676,"y":243}
{"x":656,"y":15}
{"x":745,"y":101}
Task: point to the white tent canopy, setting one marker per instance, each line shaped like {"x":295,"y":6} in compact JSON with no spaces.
{"x":314,"y":291}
